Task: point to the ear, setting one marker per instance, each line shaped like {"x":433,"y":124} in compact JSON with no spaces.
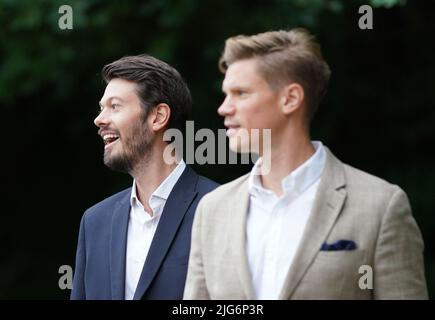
{"x":160,"y":117}
{"x":292,"y":98}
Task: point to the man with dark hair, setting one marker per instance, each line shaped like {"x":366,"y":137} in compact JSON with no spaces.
{"x":135,"y":244}
{"x":310,"y":227}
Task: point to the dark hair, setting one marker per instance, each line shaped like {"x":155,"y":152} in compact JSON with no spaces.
{"x":283,"y":57}
{"x":157,"y":82}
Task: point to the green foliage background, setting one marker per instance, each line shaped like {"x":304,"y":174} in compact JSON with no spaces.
{"x":378,"y":115}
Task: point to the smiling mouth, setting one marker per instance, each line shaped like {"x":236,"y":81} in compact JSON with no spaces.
{"x":110,"y":139}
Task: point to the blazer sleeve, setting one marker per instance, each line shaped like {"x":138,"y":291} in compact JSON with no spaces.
{"x":196,"y":286}
{"x":78,"y":290}
{"x":399,"y":264}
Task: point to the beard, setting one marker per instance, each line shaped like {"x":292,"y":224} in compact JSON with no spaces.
{"x":136,"y":149}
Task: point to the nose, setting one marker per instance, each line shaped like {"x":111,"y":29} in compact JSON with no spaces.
{"x":226,"y":108}
{"x":101,"y":120}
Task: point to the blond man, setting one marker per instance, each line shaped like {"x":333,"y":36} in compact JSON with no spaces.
{"x":311,"y":227}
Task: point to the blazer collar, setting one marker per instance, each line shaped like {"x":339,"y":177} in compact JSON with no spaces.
{"x":177,"y":204}
{"x":328,"y":202}
{"x":238,"y":243}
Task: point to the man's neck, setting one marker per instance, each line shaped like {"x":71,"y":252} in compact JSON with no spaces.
{"x":286,"y":156}
{"x":148,"y":176}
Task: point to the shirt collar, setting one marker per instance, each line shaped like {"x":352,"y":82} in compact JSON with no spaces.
{"x":299,"y":179}
{"x":165,"y":188}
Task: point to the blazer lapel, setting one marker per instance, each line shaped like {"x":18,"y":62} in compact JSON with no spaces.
{"x":175,"y":208}
{"x":118,"y":242}
{"x":240,"y":205}
{"x":326,"y":208}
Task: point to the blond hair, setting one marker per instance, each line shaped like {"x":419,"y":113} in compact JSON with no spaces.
{"x":284,"y":57}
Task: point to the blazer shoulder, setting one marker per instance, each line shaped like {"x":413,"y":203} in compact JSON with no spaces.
{"x":356,"y":179}
{"x":104,"y":207}
{"x":361,"y":179}
{"x":226,"y":190}
{"x":370,"y":191}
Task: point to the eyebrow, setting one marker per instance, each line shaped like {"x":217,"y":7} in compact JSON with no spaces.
{"x":236,"y":87}
{"x":111,"y":98}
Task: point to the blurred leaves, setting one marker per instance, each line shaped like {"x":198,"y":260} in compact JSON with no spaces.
{"x":32,"y":45}
{"x":387,"y":3}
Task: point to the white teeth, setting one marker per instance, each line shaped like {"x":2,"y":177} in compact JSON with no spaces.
{"x":110,"y":136}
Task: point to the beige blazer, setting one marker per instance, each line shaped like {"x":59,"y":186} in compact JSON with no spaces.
{"x":349,"y":205}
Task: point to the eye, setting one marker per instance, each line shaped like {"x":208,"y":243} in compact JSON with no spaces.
{"x":239,"y":93}
{"x":115,"y":106}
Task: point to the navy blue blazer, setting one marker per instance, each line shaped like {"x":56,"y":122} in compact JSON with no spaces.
{"x":101,"y":249}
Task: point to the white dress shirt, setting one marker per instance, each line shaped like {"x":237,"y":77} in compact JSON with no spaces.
{"x":141,"y":228}
{"x":275,"y":224}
